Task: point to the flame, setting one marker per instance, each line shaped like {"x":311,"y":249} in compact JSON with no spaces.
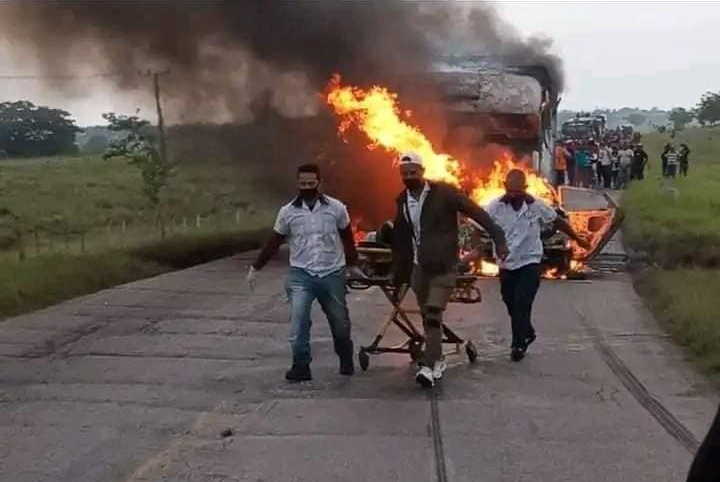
{"x":377,"y":114}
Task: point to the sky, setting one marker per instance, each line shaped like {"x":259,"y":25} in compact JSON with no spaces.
{"x":633,"y":53}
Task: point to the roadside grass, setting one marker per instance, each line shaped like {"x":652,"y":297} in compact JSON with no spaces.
{"x":680,"y":229}
{"x":70,"y":226}
{"x":43,"y":280}
{"x":684,"y":301}
{"x":679,"y":232}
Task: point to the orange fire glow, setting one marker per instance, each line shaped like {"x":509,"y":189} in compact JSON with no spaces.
{"x":377,"y":114}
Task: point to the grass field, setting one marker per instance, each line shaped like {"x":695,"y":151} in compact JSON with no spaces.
{"x":677,"y":225}
{"x":71,"y":226}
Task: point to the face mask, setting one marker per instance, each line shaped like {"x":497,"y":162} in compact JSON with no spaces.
{"x":412,"y":183}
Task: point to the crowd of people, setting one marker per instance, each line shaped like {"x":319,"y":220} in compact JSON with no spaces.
{"x":590,"y":164}
{"x":675,"y":160}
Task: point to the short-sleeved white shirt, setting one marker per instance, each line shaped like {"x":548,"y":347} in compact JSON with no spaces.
{"x":313,"y":236}
{"x":522,"y":230}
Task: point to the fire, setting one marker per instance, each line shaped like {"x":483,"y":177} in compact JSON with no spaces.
{"x":377,"y":114}
{"x":494,"y":187}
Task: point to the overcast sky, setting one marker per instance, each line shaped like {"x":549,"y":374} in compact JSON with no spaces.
{"x":629,"y":53}
{"x":616,"y":54}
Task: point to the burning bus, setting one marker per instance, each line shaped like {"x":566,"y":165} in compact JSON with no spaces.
{"x":497,"y":119}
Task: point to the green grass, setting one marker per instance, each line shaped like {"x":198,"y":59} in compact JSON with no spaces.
{"x":47,"y":279}
{"x":680,"y":233}
{"x":676,"y":231}
{"x":70,"y":226}
{"x":685,"y":302}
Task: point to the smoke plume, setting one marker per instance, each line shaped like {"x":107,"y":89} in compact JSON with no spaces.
{"x":223,"y":55}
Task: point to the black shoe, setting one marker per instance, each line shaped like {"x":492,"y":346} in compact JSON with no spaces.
{"x":298,"y":373}
{"x":347,"y":366}
{"x":517,"y":353}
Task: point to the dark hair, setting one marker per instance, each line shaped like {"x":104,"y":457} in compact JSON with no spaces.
{"x":309,"y":167}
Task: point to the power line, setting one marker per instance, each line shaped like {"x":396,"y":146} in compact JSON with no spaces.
{"x":61,"y":77}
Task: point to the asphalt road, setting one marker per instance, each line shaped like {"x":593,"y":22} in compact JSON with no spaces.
{"x":138,"y":383}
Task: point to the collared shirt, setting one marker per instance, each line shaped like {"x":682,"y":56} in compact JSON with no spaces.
{"x":313,"y":236}
{"x":414,"y":210}
{"x":626,"y":156}
{"x":522,"y":230}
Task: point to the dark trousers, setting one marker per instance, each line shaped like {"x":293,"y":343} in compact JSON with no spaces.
{"x":559,"y":177}
{"x":684,"y":169}
{"x":605,"y":175}
{"x":518,"y":288}
{"x":704,"y":467}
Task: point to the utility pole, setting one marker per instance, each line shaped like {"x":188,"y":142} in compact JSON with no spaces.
{"x":160,"y":119}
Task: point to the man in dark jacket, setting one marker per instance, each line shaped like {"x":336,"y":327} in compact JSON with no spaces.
{"x":706,"y":466}
{"x":425,"y":251}
{"x":640,"y":159}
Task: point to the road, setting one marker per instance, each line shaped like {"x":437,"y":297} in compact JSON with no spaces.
{"x":138,"y":383}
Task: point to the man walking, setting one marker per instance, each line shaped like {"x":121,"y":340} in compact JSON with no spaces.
{"x":640,"y":159}
{"x":521,"y":218}
{"x":561,"y":163}
{"x":318,"y":231}
{"x":425,"y":251}
{"x":605,"y":167}
{"x":683,"y":156}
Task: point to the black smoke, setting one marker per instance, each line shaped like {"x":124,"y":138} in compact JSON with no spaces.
{"x":224,"y":54}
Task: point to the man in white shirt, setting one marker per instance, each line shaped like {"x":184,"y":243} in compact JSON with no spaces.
{"x":625,"y":158}
{"x":521,"y":217}
{"x":318,"y":231}
{"x":605,"y":167}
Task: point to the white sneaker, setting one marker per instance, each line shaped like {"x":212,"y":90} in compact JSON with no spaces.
{"x":438,"y":369}
{"x":425,"y":377}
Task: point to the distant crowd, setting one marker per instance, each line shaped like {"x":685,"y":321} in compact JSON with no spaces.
{"x":590,"y":164}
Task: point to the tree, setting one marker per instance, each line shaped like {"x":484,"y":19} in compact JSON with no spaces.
{"x":708,"y":109}
{"x":96,"y":144}
{"x":680,"y":117}
{"x":140,"y":149}
{"x":636,"y":119}
{"x":28,"y":130}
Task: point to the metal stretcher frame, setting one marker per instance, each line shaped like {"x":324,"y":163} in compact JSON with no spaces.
{"x":400,"y":317}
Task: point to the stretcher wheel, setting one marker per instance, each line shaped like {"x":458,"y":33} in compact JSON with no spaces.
{"x":363,"y":360}
{"x":415,"y":350}
{"x":471,"y":351}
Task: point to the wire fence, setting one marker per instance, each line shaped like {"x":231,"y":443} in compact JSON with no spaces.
{"x":128,"y":233}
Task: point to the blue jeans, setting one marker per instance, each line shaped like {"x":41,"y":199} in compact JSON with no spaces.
{"x":303,"y":289}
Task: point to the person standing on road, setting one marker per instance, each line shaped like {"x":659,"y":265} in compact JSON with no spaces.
{"x":425,"y":251}
{"x":583,"y":163}
{"x":561,"y":163}
{"x":522,"y":217}
{"x":625,"y":158}
{"x":571,"y":167}
{"x":318,"y":230}
{"x":605,"y":167}
{"x":640,"y":159}
{"x":683,"y":156}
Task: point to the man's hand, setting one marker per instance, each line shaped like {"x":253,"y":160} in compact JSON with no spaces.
{"x":583,"y":243}
{"x":502,"y":251}
{"x":251,"y":278}
{"x":354,"y":272}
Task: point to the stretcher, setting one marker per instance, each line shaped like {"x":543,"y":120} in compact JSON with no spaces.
{"x":373,"y":261}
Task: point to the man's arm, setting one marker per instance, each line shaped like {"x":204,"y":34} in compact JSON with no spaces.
{"x":348,"y":240}
{"x":479,"y":215}
{"x":271,"y":247}
{"x":562,"y":225}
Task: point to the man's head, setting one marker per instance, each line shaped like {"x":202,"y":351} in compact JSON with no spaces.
{"x":515,"y":183}
{"x":412,"y":171}
{"x":308,"y":180}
